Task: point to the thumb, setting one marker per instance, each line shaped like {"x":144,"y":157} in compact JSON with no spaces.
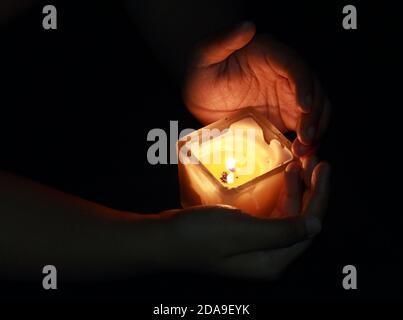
{"x":220,"y":48}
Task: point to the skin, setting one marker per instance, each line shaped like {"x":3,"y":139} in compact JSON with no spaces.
{"x":40,"y":225}
{"x":239,"y":69}
{"x":235,"y":244}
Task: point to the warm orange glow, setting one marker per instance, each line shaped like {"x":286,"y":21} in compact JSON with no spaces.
{"x":237,"y":168}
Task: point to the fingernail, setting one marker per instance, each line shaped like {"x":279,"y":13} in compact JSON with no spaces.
{"x":310,"y":134}
{"x":313,"y":226}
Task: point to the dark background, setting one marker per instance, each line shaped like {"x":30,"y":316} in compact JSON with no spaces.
{"x":76,"y":105}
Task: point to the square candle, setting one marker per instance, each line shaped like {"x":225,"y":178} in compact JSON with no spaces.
{"x":238,"y":161}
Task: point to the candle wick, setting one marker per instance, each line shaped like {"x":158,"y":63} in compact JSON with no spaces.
{"x":223,"y":177}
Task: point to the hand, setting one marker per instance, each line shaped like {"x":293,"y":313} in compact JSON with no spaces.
{"x":90,"y":240}
{"x":240,"y":70}
{"x":226,"y":241}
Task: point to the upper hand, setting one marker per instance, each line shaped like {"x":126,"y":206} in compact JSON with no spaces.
{"x":240,"y":69}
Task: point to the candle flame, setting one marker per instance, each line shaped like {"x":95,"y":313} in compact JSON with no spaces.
{"x":230,"y":164}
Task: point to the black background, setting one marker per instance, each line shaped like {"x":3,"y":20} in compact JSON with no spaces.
{"x":77,"y":104}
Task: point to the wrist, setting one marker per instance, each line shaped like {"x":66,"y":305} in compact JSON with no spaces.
{"x":147,"y":241}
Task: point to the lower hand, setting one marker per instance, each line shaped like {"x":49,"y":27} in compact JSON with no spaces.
{"x":226,"y":241}
{"x":240,"y":69}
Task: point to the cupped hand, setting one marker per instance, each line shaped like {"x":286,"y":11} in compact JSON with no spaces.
{"x":226,"y":241}
{"x":239,"y":69}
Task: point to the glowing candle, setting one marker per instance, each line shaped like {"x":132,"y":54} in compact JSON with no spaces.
{"x":237,"y":161}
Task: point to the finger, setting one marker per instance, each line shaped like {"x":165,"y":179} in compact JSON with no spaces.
{"x":292,"y":194}
{"x":300,"y":149}
{"x":287,"y":105}
{"x":289,"y":65}
{"x":309,"y":122}
{"x":216,"y":209}
{"x":308,"y":164}
{"x":253,"y":234}
{"x":233,"y":232}
{"x":318,"y":201}
{"x":301,"y":78}
{"x":264,"y":264}
{"x":220,"y":48}
{"x":324,"y":120}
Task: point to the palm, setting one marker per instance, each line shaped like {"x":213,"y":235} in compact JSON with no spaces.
{"x":248,"y":77}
